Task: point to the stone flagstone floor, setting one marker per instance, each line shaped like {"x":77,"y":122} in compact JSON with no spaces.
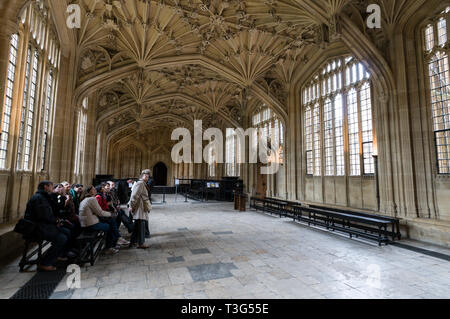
{"x":208,"y":250}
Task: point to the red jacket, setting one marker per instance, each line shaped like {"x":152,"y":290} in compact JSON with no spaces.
{"x":102,"y":202}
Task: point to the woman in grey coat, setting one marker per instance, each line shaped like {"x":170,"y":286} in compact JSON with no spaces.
{"x":140,"y":207}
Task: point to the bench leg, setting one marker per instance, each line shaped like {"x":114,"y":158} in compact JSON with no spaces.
{"x":40,"y":252}
{"x":379,"y":235}
{"x":92,"y":261}
{"x":23,"y":261}
{"x":399,"y":235}
{"x":386,"y":237}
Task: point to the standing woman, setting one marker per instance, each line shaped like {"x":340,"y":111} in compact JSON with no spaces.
{"x":140,"y":207}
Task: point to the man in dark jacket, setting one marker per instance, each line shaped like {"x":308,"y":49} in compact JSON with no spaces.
{"x":39,"y":210}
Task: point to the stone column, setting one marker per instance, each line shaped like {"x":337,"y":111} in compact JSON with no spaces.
{"x":296,"y":172}
{"x":386,"y":178}
{"x":405,"y":152}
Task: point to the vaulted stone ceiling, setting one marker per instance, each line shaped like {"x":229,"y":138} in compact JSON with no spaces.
{"x":198,"y":59}
{"x":246,"y":38}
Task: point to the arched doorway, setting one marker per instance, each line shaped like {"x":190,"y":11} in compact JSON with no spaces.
{"x":160,"y":174}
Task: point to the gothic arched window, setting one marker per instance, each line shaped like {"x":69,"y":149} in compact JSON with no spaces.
{"x":36,"y":48}
{"x":338,"y":99}
{"x":233,"y":153}
{"x":272,"y":128}
{"x":7,"y":105}
{"x":81,"y":137}
{"x":436,"y":47}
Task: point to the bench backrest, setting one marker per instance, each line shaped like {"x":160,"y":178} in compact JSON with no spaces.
{"x":367,"y":219}
{"x":340,"y":210}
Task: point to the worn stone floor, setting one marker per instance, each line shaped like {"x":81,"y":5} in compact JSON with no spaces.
{"x":208,"y":250}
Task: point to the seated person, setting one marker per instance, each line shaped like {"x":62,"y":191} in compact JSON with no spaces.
{"x":64,"y":210}
{"x":113,"y":198}
{"x":90,"y":212}
{"x":76,"y":191}
{"x":104,"y":204}
{"x":39,"y":210}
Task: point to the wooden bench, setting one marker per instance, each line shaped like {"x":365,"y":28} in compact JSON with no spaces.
{"x":266,"y":205}
{"x":90,"y":243}
{"x":283,"y":208}
{"x":27,"y":255}
{"x":395,"y":230}
{"x":357,"y":224}
{"x":257,"y":203}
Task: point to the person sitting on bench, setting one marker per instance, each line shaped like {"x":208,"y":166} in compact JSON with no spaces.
{"x":39,"y":210}
{"x":105,"y":205}
{"x":64,"y":209}
{"x":114,"y":208}
{"x":76,"y":191}
{"x":90,"y":211}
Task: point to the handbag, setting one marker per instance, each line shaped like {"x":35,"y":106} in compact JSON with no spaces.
{"x":25,"y":227}
{"x":147,"y":205}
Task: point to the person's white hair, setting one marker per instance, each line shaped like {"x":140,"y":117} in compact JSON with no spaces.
{"x":146,"y":172}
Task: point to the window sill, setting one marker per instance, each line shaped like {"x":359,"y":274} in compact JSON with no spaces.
{"x":6,"y":228}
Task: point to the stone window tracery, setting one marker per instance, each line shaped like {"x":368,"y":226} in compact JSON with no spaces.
{"x":273,"y":130}
{"x":49,"y":103}
{"x":7,"y":105}
{"x":436,"y":47}
{"x":40,"y":58}
{"x":81,"y":138}
{"x":338,"y":102}
{"x":29,"y":110}
{"x":232,"y":154}
{"x":211,"y":163}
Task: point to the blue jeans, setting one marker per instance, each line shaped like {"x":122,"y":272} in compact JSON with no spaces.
{"x":126,"y":220}
{"x":111,"y":240}
{"x":112,"y":226}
